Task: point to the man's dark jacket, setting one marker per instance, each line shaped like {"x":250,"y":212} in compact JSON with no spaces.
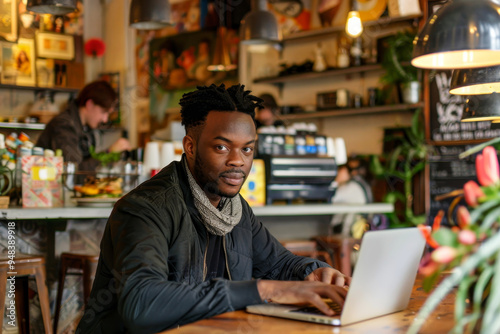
{"x":150,"y":275}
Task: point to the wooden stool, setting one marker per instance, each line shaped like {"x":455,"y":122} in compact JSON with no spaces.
{"x":342,"y":248}
{"x":87,"y":264}
{"x":307,"y":248}
{"x":25,"y":265}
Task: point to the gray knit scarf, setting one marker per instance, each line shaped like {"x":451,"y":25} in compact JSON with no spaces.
{"x":217,"y":222}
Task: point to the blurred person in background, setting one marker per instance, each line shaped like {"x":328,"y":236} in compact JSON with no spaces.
{"x":72,"y":131}
{"x":268,"y":116}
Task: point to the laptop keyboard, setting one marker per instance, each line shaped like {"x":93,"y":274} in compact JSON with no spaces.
{"x":314,"y":310}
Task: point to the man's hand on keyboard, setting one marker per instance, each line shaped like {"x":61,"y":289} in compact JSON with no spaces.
{"x":301,"y":293}
{"x":329,"y":275}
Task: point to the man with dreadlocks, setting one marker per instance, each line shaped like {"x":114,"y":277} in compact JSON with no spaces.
{"x":185,"y":245}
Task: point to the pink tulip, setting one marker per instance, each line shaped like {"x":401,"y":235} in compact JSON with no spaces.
{"x":444,"y":254}
{"x":467,"y":237}
{"x":427,"y":267}
{"x":472,"y":192}
{"x":463,"y":216}
{"x":487,"y":169}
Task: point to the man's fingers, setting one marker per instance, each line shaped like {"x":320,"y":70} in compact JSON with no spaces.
{"x":327,"y":276}
{"x":321,"y":305}
{"x":340,"y":280}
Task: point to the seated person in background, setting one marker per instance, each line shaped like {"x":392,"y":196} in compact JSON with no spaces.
{"x":267,"y":116}
{"x":352,"y":189}
{"x":72,"y":130}
{"x":185,"y":245}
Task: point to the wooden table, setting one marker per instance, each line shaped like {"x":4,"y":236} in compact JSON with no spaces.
{"x":441,"y":321}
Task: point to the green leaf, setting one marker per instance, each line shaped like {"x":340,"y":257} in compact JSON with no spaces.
{"x":489,"y":219}
{"x":445,"y":237}
{"x":461,"y":299}
{"x":479,"y":147}
{"x":481,"y":209}
{"x":493,"y":303}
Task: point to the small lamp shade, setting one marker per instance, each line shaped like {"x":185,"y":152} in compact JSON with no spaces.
{"x":473,"y":81}
{"x":481,"y":108}
{"x":54,"y":7}
{"x":150,"y":14}
{"x":461,"y":34}
{"x":259,"y":26}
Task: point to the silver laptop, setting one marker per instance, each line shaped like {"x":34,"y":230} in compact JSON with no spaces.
{"x":382,"y":281}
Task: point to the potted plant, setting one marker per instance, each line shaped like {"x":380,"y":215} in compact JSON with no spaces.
{"x":403,"y":163}
{"x":470,"y":250}
{"x":398,"y":70}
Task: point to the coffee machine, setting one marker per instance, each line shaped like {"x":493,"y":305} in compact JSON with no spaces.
{"x":308,"y":178}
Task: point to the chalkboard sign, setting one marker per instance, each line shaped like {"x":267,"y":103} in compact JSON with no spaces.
{"x":445,"y":112}
{"x":448,"y":173}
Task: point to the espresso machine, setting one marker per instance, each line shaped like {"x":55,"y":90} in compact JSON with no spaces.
{"x":308,"y":178}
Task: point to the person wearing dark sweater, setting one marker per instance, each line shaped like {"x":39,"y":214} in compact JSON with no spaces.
{"x":185,"y":245}
{"x":72,"y":131}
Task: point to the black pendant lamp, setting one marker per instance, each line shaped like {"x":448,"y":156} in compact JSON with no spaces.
{"x":150,"y":14}
{"x":259,"y":26}
{"x":473,"y":81}
{"x":54,"y":7}
{"x":484,"y":107}
{"x":461,"y":34}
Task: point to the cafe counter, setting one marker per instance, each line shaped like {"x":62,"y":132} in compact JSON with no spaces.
{"x":260,"y":211}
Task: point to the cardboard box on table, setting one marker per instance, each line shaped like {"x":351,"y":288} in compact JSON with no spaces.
{"x":42,"y":184}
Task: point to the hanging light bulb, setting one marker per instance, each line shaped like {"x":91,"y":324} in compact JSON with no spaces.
{"x":354,"y":26}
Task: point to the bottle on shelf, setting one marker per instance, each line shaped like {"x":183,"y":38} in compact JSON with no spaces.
{"x":343,"y":52}
{"x":356,"y":51}
{"x":319,"y":59}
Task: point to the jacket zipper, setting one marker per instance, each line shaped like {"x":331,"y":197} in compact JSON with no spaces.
{"x":225,"y":255}
{"x":205,"y":259}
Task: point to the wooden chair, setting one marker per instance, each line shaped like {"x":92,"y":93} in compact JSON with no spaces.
{"x":342,"y":248}
{"x":25,"y":266}
{"x":307,"y":248}
{"x":86,"y":265}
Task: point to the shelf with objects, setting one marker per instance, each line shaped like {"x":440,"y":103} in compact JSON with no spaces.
{"x":383,"y":21}
{"x":40,"y":88}
{"x":354,"y":111}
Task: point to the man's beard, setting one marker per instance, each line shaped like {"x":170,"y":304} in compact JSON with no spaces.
{"x":207,"y":183}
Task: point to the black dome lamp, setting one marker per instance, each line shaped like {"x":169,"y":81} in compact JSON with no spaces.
{"x":484,"y":107}
{"x":259,"y":26}
{"x":54,"y":7}
{"x":461,"y":34}
{"x":150,"y":14}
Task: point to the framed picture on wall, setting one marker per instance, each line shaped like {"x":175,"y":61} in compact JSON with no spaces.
{"x":8,"y":19}
{"x":55,"y":46}
{"x":9,"y":72}
{"x":24,"y":62}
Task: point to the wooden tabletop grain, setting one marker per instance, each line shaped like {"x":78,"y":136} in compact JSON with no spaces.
{"x":441,"y":321}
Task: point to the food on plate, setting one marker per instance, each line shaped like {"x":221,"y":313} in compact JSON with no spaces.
{"x":101,"y":187}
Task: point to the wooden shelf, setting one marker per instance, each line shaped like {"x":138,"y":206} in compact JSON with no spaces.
{"x":26,"y":126}
{"x":330,"y":30}
{"x":314,"y":75}
{"x":50,"y":89}
{"x":354,"y":111}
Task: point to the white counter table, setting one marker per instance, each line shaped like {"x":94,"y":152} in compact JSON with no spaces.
{"x":261,"y":211}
